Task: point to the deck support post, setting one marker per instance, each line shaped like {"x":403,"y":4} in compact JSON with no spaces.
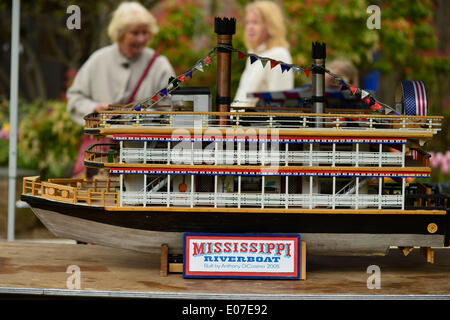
{"x":168,"y":191}
{"x":380,"y":192}
{"x":145,"y":190}
{"x":121,"y":190}
{"x":239,"y":191}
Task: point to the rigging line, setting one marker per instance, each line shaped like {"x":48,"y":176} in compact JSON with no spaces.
{"x":300,"y":68}
{"x":175,"y":82}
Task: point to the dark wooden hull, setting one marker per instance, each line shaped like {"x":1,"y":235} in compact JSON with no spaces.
{"x":249,"y":222}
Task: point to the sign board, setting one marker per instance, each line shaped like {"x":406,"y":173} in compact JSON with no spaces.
{"x":262,"y":256}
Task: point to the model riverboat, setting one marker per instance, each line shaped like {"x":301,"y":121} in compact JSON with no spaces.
{"x":344,"y":181}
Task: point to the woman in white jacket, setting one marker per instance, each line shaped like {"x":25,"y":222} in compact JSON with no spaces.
{"x":111,"y":74}
{"x":265,"y":36}
{"x":123,"y":72}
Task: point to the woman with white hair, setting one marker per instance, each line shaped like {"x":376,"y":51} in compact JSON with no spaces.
{"x":265,"y":36}
{"x":112,"y":74}
{"x":123,"y":72}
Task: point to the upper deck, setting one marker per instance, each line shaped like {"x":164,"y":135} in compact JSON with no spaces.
{"x":254,"y":123}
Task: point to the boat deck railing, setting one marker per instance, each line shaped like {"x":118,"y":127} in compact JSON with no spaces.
{"x":110,"y":154}
{"x":258,"y":200}
{"x":106,"y":193}
{"x":427,"y":202}
{"x":223,"y":120}
{"x":79,"y":191}
{"x":102,"y":153}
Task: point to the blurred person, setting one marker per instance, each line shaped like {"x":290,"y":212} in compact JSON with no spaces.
{"x":344,"y":69}
{"x":349,"y":73}
{"x":265,"y":36}
{"x":123,"y":72}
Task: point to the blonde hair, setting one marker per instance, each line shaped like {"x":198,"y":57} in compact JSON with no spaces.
{"x":273,"y":19}
{"x":344,"y":69}
{"x":127,"y":14}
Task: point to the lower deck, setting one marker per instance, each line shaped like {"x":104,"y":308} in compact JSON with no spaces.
{"x":40,"y":270}
{"x":279,"y":194}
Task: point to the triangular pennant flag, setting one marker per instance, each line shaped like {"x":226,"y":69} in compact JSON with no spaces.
{"x":263,"y":62}
{"x":267,"y":97}
{"x":137,"y":108}
{"x":297,"y":70}
{"x":273,"y":64}
{"x":241,"y":55}
{"x":284,"y":68}
{"x":307,"y":71}
{"x":207,"y":60}
{"x":189,"y":74}
{"x":353,"y":89}
{"x":364,"y":94}
{"x":182,"y":78}
{"x":367,"y":100}
{"x":372,"y":101}
{"x":252,"y":59}
{"x":376,"y":106}
{"x":199,"y":67}
{"x":155,"y":98}
{"x":164,"y":92}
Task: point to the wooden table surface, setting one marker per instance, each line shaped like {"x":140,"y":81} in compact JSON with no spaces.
{"x":115,"y":272}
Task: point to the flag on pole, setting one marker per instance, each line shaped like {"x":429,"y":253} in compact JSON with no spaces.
{"x":414,"y":97}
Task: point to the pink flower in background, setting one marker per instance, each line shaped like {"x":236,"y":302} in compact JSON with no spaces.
{"x":440,"y":160}
{"x":4,"y":131}
{"x":4,"y":134}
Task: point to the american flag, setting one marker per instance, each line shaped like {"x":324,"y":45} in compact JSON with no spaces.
{"x":414,"y":98}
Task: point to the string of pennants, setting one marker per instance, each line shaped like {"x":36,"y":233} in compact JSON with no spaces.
{"x":206,"y":61}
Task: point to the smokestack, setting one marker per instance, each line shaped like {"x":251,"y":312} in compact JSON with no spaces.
{"x":225,"y":28}
{"x":319,"y":54}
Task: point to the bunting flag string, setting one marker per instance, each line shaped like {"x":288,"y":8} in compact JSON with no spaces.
{"x":206,"y":61}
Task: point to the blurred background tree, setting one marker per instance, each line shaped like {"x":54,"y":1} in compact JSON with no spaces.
{"x":411,"y":44}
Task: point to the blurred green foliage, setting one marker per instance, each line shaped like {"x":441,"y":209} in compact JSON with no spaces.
{"x":407,"y":43}
{"x":48,"y":139}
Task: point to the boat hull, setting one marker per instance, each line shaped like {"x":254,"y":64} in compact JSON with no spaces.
{"x":145,"y":231}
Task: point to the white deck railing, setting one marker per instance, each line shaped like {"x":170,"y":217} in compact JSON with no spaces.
{"x":206,"y":156}
{"x":259,"y":200}
{"x":310,"y":121}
